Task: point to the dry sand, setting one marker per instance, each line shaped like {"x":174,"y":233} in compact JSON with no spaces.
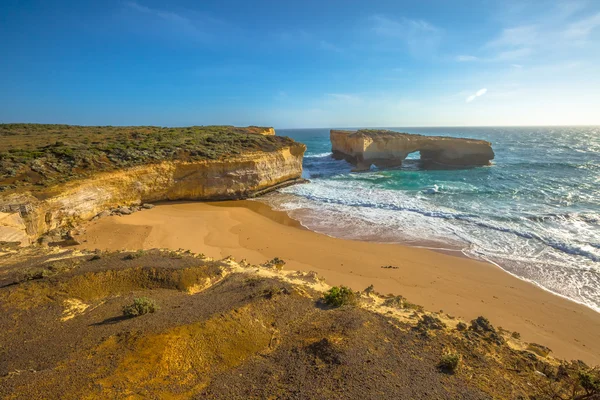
{"x":459,"y":286}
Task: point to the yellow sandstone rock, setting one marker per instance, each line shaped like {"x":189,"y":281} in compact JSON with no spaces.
{"x":389,"y":149}
{"x":26,"y":217}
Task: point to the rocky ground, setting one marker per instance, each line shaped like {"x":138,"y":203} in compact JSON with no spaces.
{"x":231,"y":330}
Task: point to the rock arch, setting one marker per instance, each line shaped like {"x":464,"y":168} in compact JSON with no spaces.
{"x":388,"y":149}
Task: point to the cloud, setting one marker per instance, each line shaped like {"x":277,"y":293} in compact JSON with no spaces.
{"x":511,"y":54}
{"x":550,"y":32}
{"x":464,"y":58}
{"x":519,"y":36}
{"x":582,"y":29}
{"x":343,"y":98}
{"x":419,"y":36}
{"x":325,"y":45}
{"x":477,"y":94}
{"x":195,"y":26}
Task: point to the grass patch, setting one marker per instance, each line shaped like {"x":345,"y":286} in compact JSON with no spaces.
{"x":133,"y":256}
{"x":36,"y":156}
{"x":401,"y":303}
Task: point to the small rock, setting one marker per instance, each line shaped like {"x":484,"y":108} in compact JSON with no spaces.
{"x":103,"y":214}
{"x":123,"y":210}
{"x":539,"y":349}
{"x":147,"y":206}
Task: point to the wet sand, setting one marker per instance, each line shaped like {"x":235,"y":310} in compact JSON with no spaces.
{"x":437,"y":280}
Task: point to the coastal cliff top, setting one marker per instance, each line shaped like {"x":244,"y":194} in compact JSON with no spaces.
{"x":34,"y":156}
{"x":386,"y":134}
{"x":176,"y":324}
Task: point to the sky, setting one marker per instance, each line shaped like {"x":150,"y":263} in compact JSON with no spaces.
{"x":300,"y":64}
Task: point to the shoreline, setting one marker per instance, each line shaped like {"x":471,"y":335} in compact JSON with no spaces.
{"x":437,"y":279}
{"x":441,"y":247}
{"x":427,"y":245}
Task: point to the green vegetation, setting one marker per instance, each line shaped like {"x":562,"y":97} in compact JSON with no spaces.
{"x":140,"y":306}
{"x":573,"y":381}
{"x":401,"y":303}
{"x":133,"y":256}
{"x":276,"y":263}
{"x":35,"y":156}
{"x":339,"y":296}
{"x":449,"y":362}
{"x":590,"y":381}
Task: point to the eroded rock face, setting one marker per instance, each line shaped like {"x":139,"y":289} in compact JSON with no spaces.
{"x":389,"y":149}
{"x":24,"y":217}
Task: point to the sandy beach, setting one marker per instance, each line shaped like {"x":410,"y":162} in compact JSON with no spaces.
{"x":457,"y":285}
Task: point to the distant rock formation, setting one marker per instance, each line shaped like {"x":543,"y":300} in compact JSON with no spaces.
{"x":386,"y":149}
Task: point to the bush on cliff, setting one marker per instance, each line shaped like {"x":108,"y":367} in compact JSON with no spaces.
{"x":449,"y":362}
{"x":140,"y":306}
{"x":340,"y":296}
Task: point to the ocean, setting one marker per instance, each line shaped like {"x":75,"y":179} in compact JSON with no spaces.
{"x":535,"y":212}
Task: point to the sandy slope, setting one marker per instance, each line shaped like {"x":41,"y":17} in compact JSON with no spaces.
{"x":456,"y":285}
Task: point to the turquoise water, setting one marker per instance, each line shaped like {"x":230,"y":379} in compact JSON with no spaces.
{"x":535,"y":212}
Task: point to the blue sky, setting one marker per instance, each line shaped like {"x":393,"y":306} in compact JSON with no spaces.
{"x":300,"y":64}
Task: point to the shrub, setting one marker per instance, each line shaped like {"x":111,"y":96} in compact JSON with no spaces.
{"x":274,"y":291}
{"x":429,"y":322}
{"x":339,"y":296}
{"x":461,"y":326}
{"x":133,"y":256}
{"x":36,"y":273}
{"x":140,"y":306}
{"x":370,"y":289}
{"x":276,"y":263}
{"x":589,"y":382}
{"x":394,"y":301}
{"x":449,"y":362}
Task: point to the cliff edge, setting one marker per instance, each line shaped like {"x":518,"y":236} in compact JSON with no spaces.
{"x":176,"y":325}
{"x":389,"y":149}
{"x":60,"y":183}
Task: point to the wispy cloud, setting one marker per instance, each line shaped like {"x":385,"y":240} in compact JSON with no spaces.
{"x":477,"y":94}
{"x":343,"y":98}
{"x":325,"y":45}
{"x":560,"y":29}
{"x":581,"y":30}
{"x":195,"y":26}
{"x":520,"y":36}
{"x":466,"y":58}
{"x":294,"y":36}
{"x":421,"y":37}
{"x":299,"y":37}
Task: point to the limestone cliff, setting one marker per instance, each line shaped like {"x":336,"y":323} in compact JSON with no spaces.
{"x":389,"y":149}
{"x":267,"y":131}
{"x":24,"y":217}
